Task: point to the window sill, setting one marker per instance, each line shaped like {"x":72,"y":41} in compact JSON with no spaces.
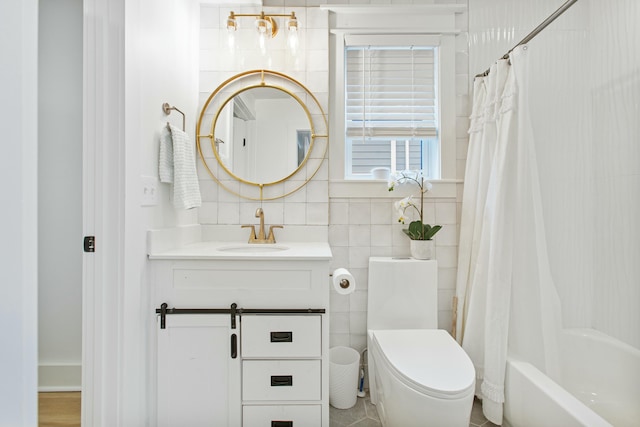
{"x":377,"y":188}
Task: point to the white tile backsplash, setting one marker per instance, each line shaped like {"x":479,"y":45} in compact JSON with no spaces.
{"x":338,"y":235}
{"x":295,"y":213}
{"x":338,"y":211}
{"x":448,"y":235}
{"x":359,"y":211}
{"x":359,"y":235}
{"x":357,"y":323}
{"x":381,"y":235}
{"x":447,"y":278}
{"x":340,"y":258}
{"x":317,"y":191}
{"x":382,"y":212}
{"x":359,"y":257}
{"x":228,"y":213}
{"x":317,"y":214}
{"x":445,"y":213}
{"x":339,"y":303}
{"x":358,"y":300}
{"x":339,"y":323}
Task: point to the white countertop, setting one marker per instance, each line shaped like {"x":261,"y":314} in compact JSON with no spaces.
{"x":226,"y":250}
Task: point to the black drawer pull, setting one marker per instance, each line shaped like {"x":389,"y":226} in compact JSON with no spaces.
{"x":281,"y":336}
{"x":281,"y":380}
{"x":281,"y":423}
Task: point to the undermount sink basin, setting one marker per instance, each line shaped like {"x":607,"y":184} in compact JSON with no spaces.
{"x":253,"y":248}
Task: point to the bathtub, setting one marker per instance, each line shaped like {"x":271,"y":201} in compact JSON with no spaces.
{"x":600,"y":385}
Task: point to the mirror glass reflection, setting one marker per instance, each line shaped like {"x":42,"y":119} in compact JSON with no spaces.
{"x":262,"y":134}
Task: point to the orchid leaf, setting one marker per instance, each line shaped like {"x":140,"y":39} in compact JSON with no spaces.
{"x":420,"y":231}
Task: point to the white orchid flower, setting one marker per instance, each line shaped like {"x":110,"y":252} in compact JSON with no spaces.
{"x":403,"y":204}
{"x":392,"y":183}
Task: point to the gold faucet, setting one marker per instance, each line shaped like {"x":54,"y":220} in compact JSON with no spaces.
{"x":261,"y":237}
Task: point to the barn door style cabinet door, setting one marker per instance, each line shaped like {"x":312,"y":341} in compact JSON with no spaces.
{"x":198,"y":372}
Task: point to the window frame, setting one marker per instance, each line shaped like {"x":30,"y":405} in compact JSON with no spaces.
{"x":378,"y":23}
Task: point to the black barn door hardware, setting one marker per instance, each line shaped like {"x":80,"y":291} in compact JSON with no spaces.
{"x":234,"y":311}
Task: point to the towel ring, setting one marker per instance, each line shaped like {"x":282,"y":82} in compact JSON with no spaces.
{"x":167,"y":110}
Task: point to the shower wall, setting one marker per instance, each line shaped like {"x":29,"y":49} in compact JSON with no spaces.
{"x":585,"y":106}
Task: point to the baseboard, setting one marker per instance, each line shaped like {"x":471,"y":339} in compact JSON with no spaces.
{"x":59,"y":378}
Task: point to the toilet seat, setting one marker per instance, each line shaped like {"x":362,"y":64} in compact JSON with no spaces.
{"x":429,"y":361}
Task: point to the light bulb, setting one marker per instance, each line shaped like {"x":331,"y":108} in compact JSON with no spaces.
{"x":262,"y":42}
{"x":231,"y":40}
{"x":293,"y":41}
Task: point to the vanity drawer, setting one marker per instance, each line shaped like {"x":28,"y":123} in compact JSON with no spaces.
{"x":281,"y":380}
{"x":281,"y":336}
{"x":282,"y":416}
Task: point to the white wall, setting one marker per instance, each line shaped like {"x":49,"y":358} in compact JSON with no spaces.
{"x":161,"y":65}
{"x":585,"y":89}
{"x":60,"y":194}
{"x":18,"y":218}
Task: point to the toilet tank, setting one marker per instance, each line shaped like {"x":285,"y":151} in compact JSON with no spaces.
{"x":402,"y":294}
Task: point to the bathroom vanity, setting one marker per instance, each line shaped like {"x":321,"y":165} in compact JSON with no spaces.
{"x":242,"y":329}
{"x":242,"y":334}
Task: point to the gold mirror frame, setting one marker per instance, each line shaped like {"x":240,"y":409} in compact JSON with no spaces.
{"x":240,"y":83}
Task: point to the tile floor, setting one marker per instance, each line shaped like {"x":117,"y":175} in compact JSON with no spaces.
{"x":364,"y":414}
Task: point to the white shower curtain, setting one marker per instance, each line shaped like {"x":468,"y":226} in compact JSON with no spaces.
{"x":502,"y":249}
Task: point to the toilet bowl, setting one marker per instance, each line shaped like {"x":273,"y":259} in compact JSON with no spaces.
{"x":418,"y":374}
{"x":422,"y":378}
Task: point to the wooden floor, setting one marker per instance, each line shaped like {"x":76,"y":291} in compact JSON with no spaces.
{"x":59,"y":409}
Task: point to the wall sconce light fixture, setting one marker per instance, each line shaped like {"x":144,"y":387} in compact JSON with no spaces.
{"x":266,"y":27}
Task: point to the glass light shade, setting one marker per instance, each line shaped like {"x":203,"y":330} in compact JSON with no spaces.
{"x":232,"y":23}
{"x":292,"y":39}
{"x":292,"y":23}
{"x":263,"y":26}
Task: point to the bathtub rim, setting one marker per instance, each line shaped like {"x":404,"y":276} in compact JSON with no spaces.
{"x":577,"y":411}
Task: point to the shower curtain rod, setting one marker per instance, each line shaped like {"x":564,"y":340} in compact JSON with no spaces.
{"x":536,"y":31}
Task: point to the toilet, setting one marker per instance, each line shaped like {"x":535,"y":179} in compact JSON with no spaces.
{"x":418,"y":374}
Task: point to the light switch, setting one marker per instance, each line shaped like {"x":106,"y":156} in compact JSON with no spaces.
{"x":149,"y":196}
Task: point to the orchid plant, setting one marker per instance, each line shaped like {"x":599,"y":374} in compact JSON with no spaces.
{"x":417,"y":229}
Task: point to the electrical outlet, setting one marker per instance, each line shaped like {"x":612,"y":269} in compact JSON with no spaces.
{"x":149,"y":196}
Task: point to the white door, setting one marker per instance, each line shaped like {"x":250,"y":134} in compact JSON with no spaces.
{"x":198,"y":377}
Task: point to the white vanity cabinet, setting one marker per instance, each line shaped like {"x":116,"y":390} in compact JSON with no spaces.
{"x":263,"y":361}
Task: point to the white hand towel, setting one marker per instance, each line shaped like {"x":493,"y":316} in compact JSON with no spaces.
{"x":165,"y":159}
{"x":186,"y":190}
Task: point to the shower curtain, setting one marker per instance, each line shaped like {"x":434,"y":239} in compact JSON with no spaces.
{"x":504,"y":289}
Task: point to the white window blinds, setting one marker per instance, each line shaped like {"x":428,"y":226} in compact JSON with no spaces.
{"x":390,"y":92}
{"x":391,"y":115}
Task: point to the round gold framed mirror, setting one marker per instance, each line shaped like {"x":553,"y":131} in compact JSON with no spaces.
{"x":262,"y":135}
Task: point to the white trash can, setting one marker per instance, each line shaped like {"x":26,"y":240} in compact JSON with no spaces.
{"x":343,"y":377}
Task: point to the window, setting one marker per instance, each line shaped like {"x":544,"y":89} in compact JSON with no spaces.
{"x":391,"y":109}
